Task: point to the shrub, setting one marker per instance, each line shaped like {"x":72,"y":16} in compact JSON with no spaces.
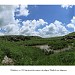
{"x":6,"y":51}
{"x":67,"y":59}
{"x":58,"y":45}
{"x":48,"y":52}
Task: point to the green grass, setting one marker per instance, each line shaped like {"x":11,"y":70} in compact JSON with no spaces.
{"x":23,"y":51}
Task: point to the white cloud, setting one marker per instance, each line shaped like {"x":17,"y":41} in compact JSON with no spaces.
{"x":7,"y":20}
{"x":30,"y":26}
{"x":6,"y":14}
{"x":72,"y":24}
{"x":11,"y":29}
{"x":42,"y":22}
{"x":73,"y":20}
{"x":66,"y":6}
{"x":23,"y":11}
{"x":53,"y":29}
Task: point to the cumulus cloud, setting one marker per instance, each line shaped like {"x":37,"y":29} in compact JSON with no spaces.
{"x":29,"y":26}
{"x":53,"y":29}
{"x":22,"y":10}
{"x":6,"y":14}
{"x":73,"y":20}
{"x":11,"y":29}
{"x":10,"y":26}
{"x":72,"y":24}
{"x":8,"y":23}
{"x":66,"y":6}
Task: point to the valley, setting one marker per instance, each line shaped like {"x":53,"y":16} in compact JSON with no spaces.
{"x":34,"y":50}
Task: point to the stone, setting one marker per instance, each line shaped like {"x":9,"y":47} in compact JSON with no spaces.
{"x":7,"y":61}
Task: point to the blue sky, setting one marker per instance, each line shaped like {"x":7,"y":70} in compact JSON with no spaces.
{"x":38,"y":20}
{"x":49,"y":13}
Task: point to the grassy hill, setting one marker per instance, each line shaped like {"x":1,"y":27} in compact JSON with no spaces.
{"x":25,"y":50}
{"x":71,"y":34}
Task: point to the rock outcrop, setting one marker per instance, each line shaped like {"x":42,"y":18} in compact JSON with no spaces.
{"x":7,"y":61}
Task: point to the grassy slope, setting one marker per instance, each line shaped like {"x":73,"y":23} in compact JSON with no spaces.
{"x":23,"y":52}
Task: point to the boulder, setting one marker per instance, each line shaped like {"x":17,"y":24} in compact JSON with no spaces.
{"x":7,"y":61}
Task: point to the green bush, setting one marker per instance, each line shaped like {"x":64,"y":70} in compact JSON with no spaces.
{"x":67,"y":59}
{"x":48,"y":52}
{"x":6,"y":51}
{"x":55,"y":45}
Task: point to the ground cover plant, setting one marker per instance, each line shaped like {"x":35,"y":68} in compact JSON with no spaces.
{"x":25,"y":50}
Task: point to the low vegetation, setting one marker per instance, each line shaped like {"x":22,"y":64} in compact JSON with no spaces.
{"x":23,"y":51}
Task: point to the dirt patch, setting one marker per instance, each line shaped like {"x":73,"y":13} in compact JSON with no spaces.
{"x":47,"y":48}
{"x":44,"y":47}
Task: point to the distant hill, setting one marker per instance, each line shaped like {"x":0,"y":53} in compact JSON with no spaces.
{"x":18,"y":37}
{"x":71,"y":34}
{"x":23,"y":38}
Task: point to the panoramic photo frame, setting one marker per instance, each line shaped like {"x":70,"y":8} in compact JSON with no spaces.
{"x":37,"y":35}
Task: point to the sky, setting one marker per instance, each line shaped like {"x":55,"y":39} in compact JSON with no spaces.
{"x":37,"y":20}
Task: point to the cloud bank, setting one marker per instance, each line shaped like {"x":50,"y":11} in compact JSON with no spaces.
{"x":10,"y":26}
{"x":6,"y":14}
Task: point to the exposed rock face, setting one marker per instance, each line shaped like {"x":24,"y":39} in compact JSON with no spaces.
{"x":7,"y":61}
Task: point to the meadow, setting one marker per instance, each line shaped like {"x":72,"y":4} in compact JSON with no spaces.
{"x":23,"y":51}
